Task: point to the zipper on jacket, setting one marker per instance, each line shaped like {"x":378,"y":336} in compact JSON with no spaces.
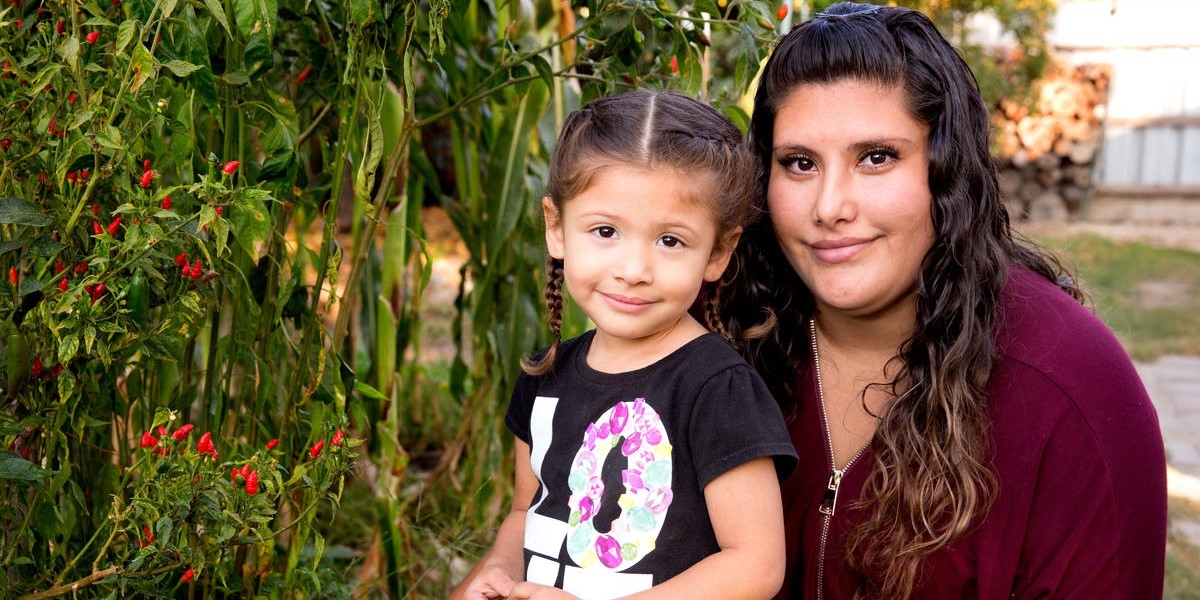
{"x":829,"y":498}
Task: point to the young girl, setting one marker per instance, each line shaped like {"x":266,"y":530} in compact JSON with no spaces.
{"x":648,"y":453}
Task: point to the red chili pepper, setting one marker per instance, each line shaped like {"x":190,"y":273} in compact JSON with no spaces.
{"x":55,"y":371}
{"x":782,"y":12}
{"x":674,"y":64}
{"x":97,"y":292}
{"x":230,"y":167}
{"x":252,"y":483}
{"x":205,"y":445}
{"x":220,"y":211}
{"x":272,"y":444}
{"x":147,"y":178}
{"x":304,"y":74}
{"x":81,"y":267}
{"x":183,"y":432}
{"x":5,"y":143}
{"x":97,"y":228}
{"x":71,"y":176}
{"x":95,"y":207}
{"x":83,"y":175}
{"x":315,"y":451}
{"x":148,"y":535}
{"x":71,"y":98}
{"x":181,"y":260}
{"x":63,"y":284}
{"x":188,"y":575}
{"x":162,"y":431}
{"x":185,"y":270}
{"x":36,"y":370}
{"x":148,"y":440}
{"x":14,"y":276}
{"x":145,"y":165}
{"x":92,"y":37}
{"x":51,"y":128}
{"x":234,"y":474}
{"x":58,"y":266}
{"x":60,"y":28}
{"x":114,"y":226}
{"x":196,"y":270}
{"x":166,"y":202}
{"x":116,"y":2}
{"x":338,"y":437}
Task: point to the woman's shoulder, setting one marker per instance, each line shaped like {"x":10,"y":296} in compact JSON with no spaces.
{"x":1040,"y":324}
{"x":1058,"y":363}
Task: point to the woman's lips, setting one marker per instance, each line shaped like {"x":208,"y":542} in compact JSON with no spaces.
{"x":839,"y":250}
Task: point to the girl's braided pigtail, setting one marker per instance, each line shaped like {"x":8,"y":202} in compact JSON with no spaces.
{"x":540,"y":365}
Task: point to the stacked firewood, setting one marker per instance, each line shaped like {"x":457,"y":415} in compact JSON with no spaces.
{"x":1046,"y":152}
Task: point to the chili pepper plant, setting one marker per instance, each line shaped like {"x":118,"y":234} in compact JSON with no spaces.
{"x":211,"y":214}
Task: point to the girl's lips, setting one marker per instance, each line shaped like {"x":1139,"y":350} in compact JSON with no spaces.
{"x":626,"y":303}
{"x":839,"y":250}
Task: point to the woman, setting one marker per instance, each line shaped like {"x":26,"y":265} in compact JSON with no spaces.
{"x":966,"y":429}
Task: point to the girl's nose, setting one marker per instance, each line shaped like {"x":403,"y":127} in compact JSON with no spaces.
{"x":634,"y":265}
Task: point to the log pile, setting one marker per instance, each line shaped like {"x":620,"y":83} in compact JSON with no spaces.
{"x":1046,"y":153}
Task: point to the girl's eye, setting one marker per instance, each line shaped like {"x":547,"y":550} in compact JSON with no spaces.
{"x":797,"y":164}
{"x":670,"y":241}
{"x":605,"y":231}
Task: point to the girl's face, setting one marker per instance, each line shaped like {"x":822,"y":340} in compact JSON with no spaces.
{"x":849,"y":195}
{"x":636,"y":248}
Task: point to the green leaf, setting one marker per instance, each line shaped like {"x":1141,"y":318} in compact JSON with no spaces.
{"x":369,"y":392}
{"x":218,"y":12}
{"x":16,"y":468}
{"x":125,"y":34}
{"x":250,"y":219}
{"x":362,"y":12}
{"x":181,"y":68}
{"x":255,"y":16}
{"x":69,"y":51}
{"x":110,"y":137}
{"x":81,"y":117}
{"x":142,"y":66}
{"x":16,"y":211}
{"x":506,"y":169}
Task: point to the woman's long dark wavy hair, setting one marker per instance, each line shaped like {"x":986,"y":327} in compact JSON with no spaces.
{"x":661,"y":131}
{"x":931,"y":479}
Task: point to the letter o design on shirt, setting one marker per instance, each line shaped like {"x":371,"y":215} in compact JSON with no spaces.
{"x":642,"y":439}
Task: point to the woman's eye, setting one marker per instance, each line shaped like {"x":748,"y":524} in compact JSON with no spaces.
{"x":797,"y":164}
{"x":670,"y":241}
{"x":876,"y":159}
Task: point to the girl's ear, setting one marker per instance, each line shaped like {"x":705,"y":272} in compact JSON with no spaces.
{"x":554,"y":228}
{"x":720,"y":255}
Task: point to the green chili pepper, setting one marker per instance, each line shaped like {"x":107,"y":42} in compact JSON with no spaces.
{"x":18,"y":361}
{"x":138,"y":298}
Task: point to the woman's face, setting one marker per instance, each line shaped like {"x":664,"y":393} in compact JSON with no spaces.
{"x":849,"y":195}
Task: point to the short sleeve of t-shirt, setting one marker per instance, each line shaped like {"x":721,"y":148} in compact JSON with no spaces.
{"x":736,"y":420}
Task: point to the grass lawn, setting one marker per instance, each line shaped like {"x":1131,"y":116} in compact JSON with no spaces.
{"x":1150,"y":297}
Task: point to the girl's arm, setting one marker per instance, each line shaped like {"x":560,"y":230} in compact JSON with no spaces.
{"x":747,"y":516}
{"x":504,"y":563}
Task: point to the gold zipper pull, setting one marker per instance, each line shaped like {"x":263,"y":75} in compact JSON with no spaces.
{"x":829,"y":498}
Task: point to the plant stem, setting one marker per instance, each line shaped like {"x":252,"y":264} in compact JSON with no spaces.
{"x":74,"y":586}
